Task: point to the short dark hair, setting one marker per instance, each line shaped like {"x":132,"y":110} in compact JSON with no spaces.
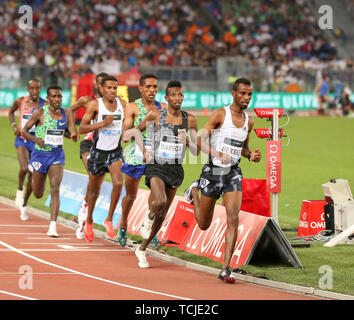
{"x":53,"y":87}
{"x":146,"y":76}
{"x":239,"y":81}
{"x":108,"y":78}
{"x":34,"y":79}
{"x":101,"y":75}
{"x":173,"y":84}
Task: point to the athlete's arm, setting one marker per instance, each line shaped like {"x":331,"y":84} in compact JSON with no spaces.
{"x":16,"y":105}
{"x":90,"y":114}
{"x":123,"y":102}
{"x":254,"y":155}
{"x":36,"y":119}
{"x":71,"y":112}
{"x":215,"y":120}
{"x":74,"y":136}
{"x":129,"y":113}
{"x":192,"y":141}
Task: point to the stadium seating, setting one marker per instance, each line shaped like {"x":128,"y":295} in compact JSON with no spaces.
{"x":79,"y":36}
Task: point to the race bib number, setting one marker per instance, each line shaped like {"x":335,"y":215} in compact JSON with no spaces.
{"x":114,"y":128}
{"x":233,"y":148}
{"x":24,"y":120}
{"x":54,"y":138}
{"x":170,"y":148}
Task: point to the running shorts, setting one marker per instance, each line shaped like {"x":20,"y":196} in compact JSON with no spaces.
{"x":99,"y":161}
{"x":171,"y":174}
{"x":41,"y":160}
{"x":216,"y":181}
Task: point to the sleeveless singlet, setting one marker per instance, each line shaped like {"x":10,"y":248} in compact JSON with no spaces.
{"x":229,"y":139}
{"x":134,"y":155}
{"x":26,"y":112}
{"x":51,"y":131}
{"x":108,"y":137}
{"x":166,"y":147}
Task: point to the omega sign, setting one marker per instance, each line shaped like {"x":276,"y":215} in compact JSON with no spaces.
{"x":274,"y":166}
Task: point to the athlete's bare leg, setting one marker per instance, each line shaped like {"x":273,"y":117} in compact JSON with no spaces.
{"x":131,"y":190}
{"x":160,"y":200}
{"x":55,"y":175}
{"x":232,"y":202}
{"x":117,"y":184}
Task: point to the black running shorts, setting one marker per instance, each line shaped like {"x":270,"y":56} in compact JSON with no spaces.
{"x":99,"y":161}
{"x":171,"y":174}
{"x":214,"y":181}
{"x":85,"y":146}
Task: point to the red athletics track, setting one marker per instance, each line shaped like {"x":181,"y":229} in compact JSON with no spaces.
{"x":66,"y":268}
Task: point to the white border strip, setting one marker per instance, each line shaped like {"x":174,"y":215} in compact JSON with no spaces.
{"x":17,"y":295}
{"x":88,"y":275}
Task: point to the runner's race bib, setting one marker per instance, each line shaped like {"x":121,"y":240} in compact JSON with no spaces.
{"x":233,"y":148}
{"x":114,"y":128}
{"x":170,"y":148}
{"x":25,"y":118}
{"x":54,"y":138}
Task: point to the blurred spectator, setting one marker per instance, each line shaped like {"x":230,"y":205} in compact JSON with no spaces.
{"x":77,"y":36}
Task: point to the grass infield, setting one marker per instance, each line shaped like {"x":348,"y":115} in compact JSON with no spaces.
{"x":321,"y":148}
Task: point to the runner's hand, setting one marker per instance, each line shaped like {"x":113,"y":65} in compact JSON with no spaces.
{"x":256,"y":156}
{"x":108,"y":119}
{"x":40,"y":142}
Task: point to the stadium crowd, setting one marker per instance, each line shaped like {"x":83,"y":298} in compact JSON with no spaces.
{"x":71,"y":36}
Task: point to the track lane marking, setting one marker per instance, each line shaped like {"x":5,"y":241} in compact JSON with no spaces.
{"x":17,"y":295}
{"x":88,"y":275}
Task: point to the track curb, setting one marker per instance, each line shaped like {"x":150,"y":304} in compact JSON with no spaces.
{"x":170,"y":259}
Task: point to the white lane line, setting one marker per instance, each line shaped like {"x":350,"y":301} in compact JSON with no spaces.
{"x":47,"y":238}
{"x":25,"y":225}
{"x":67,"y":250}
{"x":36,"y":273}
{"x":32,"y":233}
{"x":58,"y":243}
{"x":90,"y":276}
{"x":17,"y":295}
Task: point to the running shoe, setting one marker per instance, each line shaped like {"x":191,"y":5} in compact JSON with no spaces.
{"x":80,"y":234}
{"x":19,"y":198}
{"x":109,"y":229}
{"x":52,"y":231}
{"x":81,"y":217}
{"x":88,"y":231}
{"x":142,"y":262}
{"x":155,"y":241}
{"x":226,"y":275}
{"x":24,"y":214}
{"x":122,"y":236}
{"x":188,"y":192}
{"x":146,"y":226}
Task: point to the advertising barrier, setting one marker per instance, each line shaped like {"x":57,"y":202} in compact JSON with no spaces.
{"x":259,"y":238}
{"x":312,"y":218}
{"x":7,"y":97}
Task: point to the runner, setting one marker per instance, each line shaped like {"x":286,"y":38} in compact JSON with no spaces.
{"x":85,"y":145}
{"x":26,"y":106}
{"x":164,"y":174}
{"x":228,"y":132}
{"x":48,"y":156}
{"x":134,"y":166}
{"x":106,"y":154}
